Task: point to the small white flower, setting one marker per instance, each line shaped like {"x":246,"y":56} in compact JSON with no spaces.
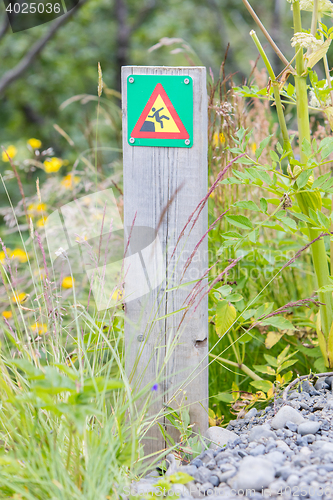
{"x":314,"y":101}
{"x":306,"y":40}
{"x":325,"y":6}
{"x":60,"y":251}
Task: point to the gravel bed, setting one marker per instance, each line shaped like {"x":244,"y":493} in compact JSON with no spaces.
{"x":281,"y":452}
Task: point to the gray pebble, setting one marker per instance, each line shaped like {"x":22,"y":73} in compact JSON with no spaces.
{"x":258,"y":450}
{"x":214,"y":480}
{"x":197,"y":462}
{"x":308,"y":428}
{"x":284,"y":415}
{"x":292,"y":480}
{"x":291,"y":426}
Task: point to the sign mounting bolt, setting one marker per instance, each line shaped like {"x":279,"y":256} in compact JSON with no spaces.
{"x":140,"y":338}
{"x":132,"y":140}
{"x":187,"y":142}
{"x":131,"y":79}
{"x":187,"y":81}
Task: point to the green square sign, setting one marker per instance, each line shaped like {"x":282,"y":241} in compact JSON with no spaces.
{"x":160,"y":111}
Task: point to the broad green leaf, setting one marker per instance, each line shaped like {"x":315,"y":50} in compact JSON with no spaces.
{"x":321,"y":179}
{"x":239,"y":221}
{"x":303,"y":178}
{"x":286,"y":365}
{"x":224,"y":290}
{"x":323,"y":219}
{"x":180,"y":478}
{"x":326,"y":288}
{"x":225,"y":397}
{"x":274,"y":156}
{"x":263,"y":204}
{"x":326,"y":147}
{"x":231,"y":235}
{"x":272,"y":338}
{"x":283,"y":354}
{"x":262,"y":385}
{"x":245,"y":337}
{"x":316,"y":55}
{"x":279,"y":322}
{"x":262,"y":146}
{"x":224,"y":317}
{"x":266,"y":369}
{"x":247,"y":205}
{"x":32,"y":372}
{"x":235,"y":297}
{"x":306,"y":147}
{"x":271,"y":360}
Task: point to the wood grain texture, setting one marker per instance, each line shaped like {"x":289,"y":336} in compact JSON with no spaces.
{"x":152,"y":176}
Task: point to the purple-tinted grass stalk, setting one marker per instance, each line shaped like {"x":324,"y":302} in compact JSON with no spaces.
{"x":319,"y":255}
{"x":189,"y":260}
{"x":203,"y":202}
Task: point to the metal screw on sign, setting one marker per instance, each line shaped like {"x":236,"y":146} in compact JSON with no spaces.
{"x":131,"y":79}
{"x":132,"y":140}
{"x":186,"y":81}
{"x":187,"y":142}
{"x":140,"y":338}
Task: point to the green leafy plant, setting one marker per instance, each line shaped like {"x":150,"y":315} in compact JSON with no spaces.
{"x":301,"y":200}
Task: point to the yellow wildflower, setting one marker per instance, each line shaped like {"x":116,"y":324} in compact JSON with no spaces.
{"x":11,"y":150}
{"x":41,"y":222}
{"x":53,"y":165}
{"x":19,"y":298}
{"x":69,"y":181}
{"x":19,"y":254}
{"x":3,"y":256}
{"x":67,"y":282}
{"x":218,"y":138}
{"x":35,"y":143}
{"x":117,"y":295}
{"x":39,"y":327}
{"x":7,"y":314}
{"x":253,"y":147}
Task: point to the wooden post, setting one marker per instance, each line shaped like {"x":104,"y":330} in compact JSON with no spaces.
{"x":162,"y":188}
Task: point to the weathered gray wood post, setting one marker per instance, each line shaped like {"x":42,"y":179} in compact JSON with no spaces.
{"x":165,"y":178}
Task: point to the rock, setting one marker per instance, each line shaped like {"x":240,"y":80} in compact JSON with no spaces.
{"x":292,"y":480}
{"x":291,"y":426}
{"x":202,"y":475}
{"x":258,"y":450}
{"x":219,"y":437}
{"x":207,"y":489}
{"x":252,"y":413}
{"x":188,"y":469}
{"x":309,"y":427}
{"x":276,"y":457}
{"x":328,"y":381}
{"x":227,"y":474}
{"x":197,"y":462}
{"x":306,"y":386}
{"x":214,"y":480}
{"x":320,"y":384}
{"x":180,"y":490}
{"x":261,"y":431}
{"x":277,"y":487}
{"x":254,"y":473}
{"x":285,"y":414}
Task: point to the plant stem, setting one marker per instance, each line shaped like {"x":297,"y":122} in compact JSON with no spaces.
{"x":265,"y":32}
{"x":319,"y":256}
{"x":241,"y":366}
{"x":275,"y":85}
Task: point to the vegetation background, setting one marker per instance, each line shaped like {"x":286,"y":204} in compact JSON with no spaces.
{"x":53,"y":103}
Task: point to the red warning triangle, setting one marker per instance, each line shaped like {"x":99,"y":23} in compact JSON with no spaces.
{"x":159,"y":119}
